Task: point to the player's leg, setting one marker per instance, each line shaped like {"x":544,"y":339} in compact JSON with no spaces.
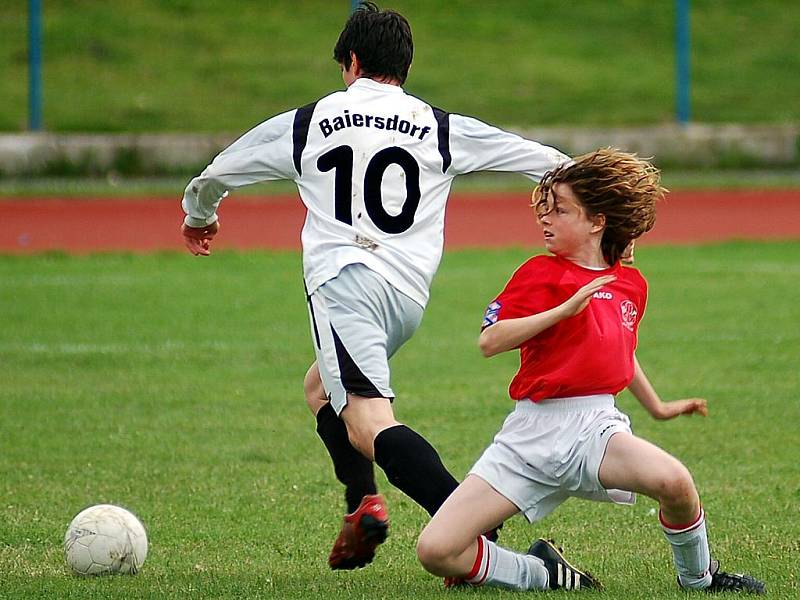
{"x":366,"y":321}
{"x":513,"y":474}
{"x":366,"y":523}
{"x":447,"y":545}
{"x":364,"y":419}
{"x":313,"y":390}
{"x":451,"y":545}
{"x":635,"y":464}
{"x":358,"y":321}
{"x":631,"y":463}
{"x":410,"y":462}
{"x":352,"y":469}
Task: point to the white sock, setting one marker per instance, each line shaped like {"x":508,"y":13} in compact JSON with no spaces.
{"x":690,"y":552}
{"x":497,"y":566}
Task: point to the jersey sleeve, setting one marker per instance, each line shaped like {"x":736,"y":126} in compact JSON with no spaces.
{"x":525,"y":294}
{"x":262,"y":154}
{"x":477,"y":146}
{"x":643,"y":287}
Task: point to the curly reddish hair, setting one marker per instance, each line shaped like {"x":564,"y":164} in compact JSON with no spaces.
{"x":618,"y":185}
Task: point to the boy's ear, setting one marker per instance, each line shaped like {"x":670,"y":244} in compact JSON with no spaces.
{"x":598,"y":223}
{"x":355,"y":62}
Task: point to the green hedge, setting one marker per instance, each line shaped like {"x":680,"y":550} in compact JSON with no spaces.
{"x":201,"y":65}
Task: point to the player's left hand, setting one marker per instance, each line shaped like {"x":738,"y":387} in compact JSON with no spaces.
{"x":198,"y":239}
{"x":689,"y":406}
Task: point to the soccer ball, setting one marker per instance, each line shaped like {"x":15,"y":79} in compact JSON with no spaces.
{"x":105,"y":540}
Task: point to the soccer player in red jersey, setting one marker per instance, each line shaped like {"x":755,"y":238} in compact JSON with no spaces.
{"x":574,"y":315}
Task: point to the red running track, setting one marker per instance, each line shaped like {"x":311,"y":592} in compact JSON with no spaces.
{"x":473,"y":220}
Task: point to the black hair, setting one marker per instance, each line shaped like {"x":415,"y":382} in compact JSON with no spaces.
{"x":381,"y":39}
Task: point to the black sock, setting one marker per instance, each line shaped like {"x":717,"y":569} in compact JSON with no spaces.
{"x":413,"y":465}
{"x":351,"y":467}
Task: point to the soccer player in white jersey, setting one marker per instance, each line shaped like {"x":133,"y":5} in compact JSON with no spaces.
{"x":373,"y":166}
{"x":574,"y":315}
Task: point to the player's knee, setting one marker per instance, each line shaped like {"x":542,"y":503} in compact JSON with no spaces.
{"x":435,"y":554}
{"x":365,"y":418}
{"x":313,"y":390}
{"x":676,"y":489}
{"x":360,"y":440}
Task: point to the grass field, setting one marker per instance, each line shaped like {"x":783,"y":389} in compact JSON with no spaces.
{"x":171,"y":385}
{"x":181,"y":65}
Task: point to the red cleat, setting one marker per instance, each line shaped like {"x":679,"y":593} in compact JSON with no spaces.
{"x":362,"y":532}
{"x":453,"y":582}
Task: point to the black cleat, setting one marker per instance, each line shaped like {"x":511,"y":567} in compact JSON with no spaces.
{"x":563,"y":575}
{"x":733,"y":582}
{"x":493,"y":534}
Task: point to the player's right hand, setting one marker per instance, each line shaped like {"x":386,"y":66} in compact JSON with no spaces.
{"x":198,"y":239}
{"x":581,"y":298}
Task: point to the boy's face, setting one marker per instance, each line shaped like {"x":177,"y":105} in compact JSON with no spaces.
{"x":566,"y":226}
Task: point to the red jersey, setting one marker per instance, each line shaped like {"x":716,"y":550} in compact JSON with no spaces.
{"x":590,"y":353}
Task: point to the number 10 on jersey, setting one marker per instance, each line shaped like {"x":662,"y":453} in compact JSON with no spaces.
{"x":341,"y":160}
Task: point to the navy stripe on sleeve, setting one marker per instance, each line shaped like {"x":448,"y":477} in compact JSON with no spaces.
{"x":443,"y":120}
{"x":302,"y":119}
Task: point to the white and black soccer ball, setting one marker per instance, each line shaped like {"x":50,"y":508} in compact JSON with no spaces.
{"x":105,"y":540}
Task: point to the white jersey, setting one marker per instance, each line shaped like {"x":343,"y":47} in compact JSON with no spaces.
{"x":373,"y":166}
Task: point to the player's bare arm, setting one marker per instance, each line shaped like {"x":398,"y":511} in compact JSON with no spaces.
{"x":198,"y":239}
{"x":647,"y":396}
{"x":510,"y":333}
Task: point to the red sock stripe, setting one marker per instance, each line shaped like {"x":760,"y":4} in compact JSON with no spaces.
{"x":477,"y":574}
{"x":488,"y":551}
{"x":682,"y":528}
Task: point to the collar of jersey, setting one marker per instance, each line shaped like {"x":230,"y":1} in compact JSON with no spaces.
{"x":367,"y":83}
{"x":599,"y":272}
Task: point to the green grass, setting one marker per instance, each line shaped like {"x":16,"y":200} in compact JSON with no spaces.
{"x":172,"y":385}
{"x":181,"y":65}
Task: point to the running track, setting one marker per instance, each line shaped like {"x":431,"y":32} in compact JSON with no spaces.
{"x":473,"y":220}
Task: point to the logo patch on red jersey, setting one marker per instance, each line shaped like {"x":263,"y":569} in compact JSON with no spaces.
{"x":490,"y":317}
{"x":629,"y":314}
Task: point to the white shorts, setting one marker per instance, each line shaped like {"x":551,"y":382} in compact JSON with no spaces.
{"x":549,"y":451}
{"x":358,"y":321}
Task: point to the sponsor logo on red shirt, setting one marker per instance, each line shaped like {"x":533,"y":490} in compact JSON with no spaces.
{"x":629,"y":314}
